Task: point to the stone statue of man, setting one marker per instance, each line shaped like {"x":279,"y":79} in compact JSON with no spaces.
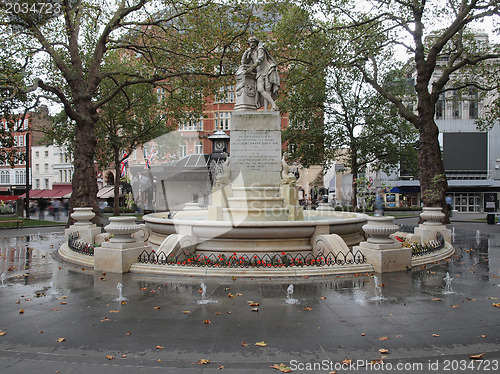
{"x":257,"y":60}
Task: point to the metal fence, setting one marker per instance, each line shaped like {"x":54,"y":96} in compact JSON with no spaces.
{"x":407,"y":228}
{"x":418,"y":249}
{"x":79,"y":245}
{"x":252,"y":260}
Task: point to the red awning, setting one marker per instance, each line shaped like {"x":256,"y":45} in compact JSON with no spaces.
{"x":8,"y":197}
{"x":49,"y":194}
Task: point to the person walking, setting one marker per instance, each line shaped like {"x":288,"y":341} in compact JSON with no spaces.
{"x":449,"y":203}
{"x":42,"y":205}
{"x":56,"y":208}
{"x":379,"y":205}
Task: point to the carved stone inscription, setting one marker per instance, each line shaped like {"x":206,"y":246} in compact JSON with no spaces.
{"x":256,"y":150}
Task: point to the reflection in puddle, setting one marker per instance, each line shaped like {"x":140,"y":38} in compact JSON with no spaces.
{"x":28,"y":260}
{"x":17,"y":255}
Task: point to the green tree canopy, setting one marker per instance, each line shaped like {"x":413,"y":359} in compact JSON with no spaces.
{"x":178,"y":43}
{"x":439,"y":40}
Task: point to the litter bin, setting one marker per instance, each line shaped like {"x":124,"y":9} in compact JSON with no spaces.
{"x":490,"y":219}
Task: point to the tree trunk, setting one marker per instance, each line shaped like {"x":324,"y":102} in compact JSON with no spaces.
{"x":116,"y":201}
{"x":84,"y":184}
{"x":433,"y":183}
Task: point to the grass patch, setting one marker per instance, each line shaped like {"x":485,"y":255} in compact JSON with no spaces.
{"x":393,"y":215}
{"x":27,"y":222}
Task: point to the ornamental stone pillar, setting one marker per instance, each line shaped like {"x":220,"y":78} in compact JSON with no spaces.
{"x":122,"y":250}
{"x":380,"y":250}
{"x":432,"y":217}
{"x":87,"y":230}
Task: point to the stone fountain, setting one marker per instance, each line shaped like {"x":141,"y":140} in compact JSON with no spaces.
{"x":254,"y":207}
{"x":254,"y":212}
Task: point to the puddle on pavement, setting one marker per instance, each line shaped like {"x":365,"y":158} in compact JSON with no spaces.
{"x":23,"y":256}
{"x":29,"y":261}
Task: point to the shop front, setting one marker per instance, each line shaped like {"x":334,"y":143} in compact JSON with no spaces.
{"x":403,"y":197}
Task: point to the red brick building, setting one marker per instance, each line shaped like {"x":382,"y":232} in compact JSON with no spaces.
{"x":13,"y":178}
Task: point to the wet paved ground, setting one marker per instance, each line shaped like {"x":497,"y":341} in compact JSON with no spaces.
{"x":63,"y":318}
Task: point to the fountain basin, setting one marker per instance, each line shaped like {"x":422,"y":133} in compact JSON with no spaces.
{"x":256,"y":236}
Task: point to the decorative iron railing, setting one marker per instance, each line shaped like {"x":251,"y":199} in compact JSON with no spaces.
{"x":253,"y":260}
{"x":418,"y":249}
{"x":79,"y":245}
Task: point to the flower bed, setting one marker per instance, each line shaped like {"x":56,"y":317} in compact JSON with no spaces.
{"x":418,"y":249}
{"x":253,"y":260}
{"x":79,"y":245}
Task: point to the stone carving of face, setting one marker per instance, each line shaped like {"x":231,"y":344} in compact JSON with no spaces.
{"x":253,"y":42}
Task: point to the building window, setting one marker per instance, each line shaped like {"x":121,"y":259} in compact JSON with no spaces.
{"x":4,"y":177}
{"x":473,"y":103}
{"x":160,"y":93}
{"x":222,"y":120}
{"x":467,"y":202}
{"x":46,"y":183}
{"x":20,"y":159}
{"x":457,"y":110}
{"x":37,"y":168}
{"x":225,"y":95}
{"x":65,"y":176}
{"x":193,"y":124}
{"x":198,"y":149}
{"x":46,"y":168}
{"x":46,"y":153}
{"x":473,"y":109}
{"x":440,"y":108}
{"x":20,"y":177}
{"x":37,"y":184}
{"x":183,"y":151}
{"x":37,"y":154}
{"x":60,"y":176}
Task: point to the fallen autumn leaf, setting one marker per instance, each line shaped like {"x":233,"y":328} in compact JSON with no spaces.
{"x":477,"y":357}
{"x":282,"y":367}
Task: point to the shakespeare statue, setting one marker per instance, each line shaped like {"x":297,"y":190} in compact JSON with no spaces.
{"x":257,"y":78}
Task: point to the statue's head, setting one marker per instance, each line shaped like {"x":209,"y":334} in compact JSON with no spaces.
{"x":253,"y":41}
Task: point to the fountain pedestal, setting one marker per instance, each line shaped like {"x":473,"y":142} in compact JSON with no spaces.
{"x":383,"y":252}
{"x":256,"y":191}
{"x":427,"y":231}
{"x":118,"y":254}
{"x":87,"y":230}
